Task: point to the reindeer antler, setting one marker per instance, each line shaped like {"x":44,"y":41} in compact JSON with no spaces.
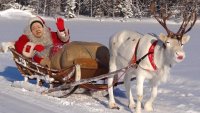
{"x":186,"y":20}
{"x":190,"y":17}
{"x":161,"y":18}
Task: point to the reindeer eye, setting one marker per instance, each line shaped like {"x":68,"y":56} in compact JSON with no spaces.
{"x":182,"y":45}
{"x":167,"y":43}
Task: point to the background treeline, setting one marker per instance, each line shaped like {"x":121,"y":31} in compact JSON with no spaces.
{"x":95,"y":8}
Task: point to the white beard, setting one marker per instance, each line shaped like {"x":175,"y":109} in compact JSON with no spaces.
{"x":45,"y":40}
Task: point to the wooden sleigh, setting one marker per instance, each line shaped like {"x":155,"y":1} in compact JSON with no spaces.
{"x":83,"y":73}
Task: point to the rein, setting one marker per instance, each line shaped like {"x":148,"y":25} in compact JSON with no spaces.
{"x":96,"y":88}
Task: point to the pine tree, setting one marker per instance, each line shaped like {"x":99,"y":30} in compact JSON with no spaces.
{"x":69,"y":8}
{"x":95,"y":8}
{"x":6,"y":4}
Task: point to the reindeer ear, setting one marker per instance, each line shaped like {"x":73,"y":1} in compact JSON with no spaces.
{"x":185,"y":39}
{"x":163,"y":37}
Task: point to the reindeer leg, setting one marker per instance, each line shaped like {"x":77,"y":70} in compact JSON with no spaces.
{"x":139,"y":88}
{"x":112,"y":103}
{"x":148,"y":105}
{"x":127,"y":83}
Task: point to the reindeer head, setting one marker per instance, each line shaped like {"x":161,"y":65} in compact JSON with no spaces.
{"x":173,"y":42}
{"x":174,"y":47}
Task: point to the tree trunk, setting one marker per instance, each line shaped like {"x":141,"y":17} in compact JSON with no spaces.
{"x":91,"y":8}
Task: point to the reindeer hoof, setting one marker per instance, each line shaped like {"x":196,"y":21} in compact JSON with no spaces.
{"x":148,"y":107}
{"x":44,"y":92}
{"x":132,"y":106}
{"x":138,"y":111}
{"x":116,"y":107}
{"x":113,"y":106}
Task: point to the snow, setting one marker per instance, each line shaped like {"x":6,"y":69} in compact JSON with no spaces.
{"x":15,"y":13}
{"x":181,"y":94}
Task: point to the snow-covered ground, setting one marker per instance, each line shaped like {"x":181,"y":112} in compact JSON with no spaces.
{"x":181,"y":94}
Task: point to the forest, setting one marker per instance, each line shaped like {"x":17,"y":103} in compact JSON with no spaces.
{"x":98,"y":8}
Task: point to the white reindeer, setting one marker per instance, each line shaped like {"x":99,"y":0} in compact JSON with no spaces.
{"x":152,"y":56}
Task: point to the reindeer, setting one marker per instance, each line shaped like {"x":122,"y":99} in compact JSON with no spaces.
{"x":148,"y":57}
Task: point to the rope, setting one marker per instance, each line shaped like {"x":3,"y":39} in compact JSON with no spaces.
{"x":115,"y":82}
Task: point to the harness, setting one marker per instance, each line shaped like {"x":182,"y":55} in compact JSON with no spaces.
{"x":134,"y":61}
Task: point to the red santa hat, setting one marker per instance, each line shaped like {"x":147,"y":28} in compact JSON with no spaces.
{"x":36,"y":19}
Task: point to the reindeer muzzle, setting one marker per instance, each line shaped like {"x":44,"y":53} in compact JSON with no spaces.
{"x":180,"y":57}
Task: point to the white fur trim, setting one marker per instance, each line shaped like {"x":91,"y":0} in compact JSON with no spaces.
{"x":62,"y":33}
{"x":31,"y":52}
{"x":63,"y":36}
{"x":35,"y":19}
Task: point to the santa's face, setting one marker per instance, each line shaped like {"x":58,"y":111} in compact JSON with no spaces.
{"x":37,"y":30}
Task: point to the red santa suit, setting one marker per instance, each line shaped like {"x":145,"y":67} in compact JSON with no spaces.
{"x":28,"y":45}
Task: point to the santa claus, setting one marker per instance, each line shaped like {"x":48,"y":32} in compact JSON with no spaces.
{"x":39,"y":42}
